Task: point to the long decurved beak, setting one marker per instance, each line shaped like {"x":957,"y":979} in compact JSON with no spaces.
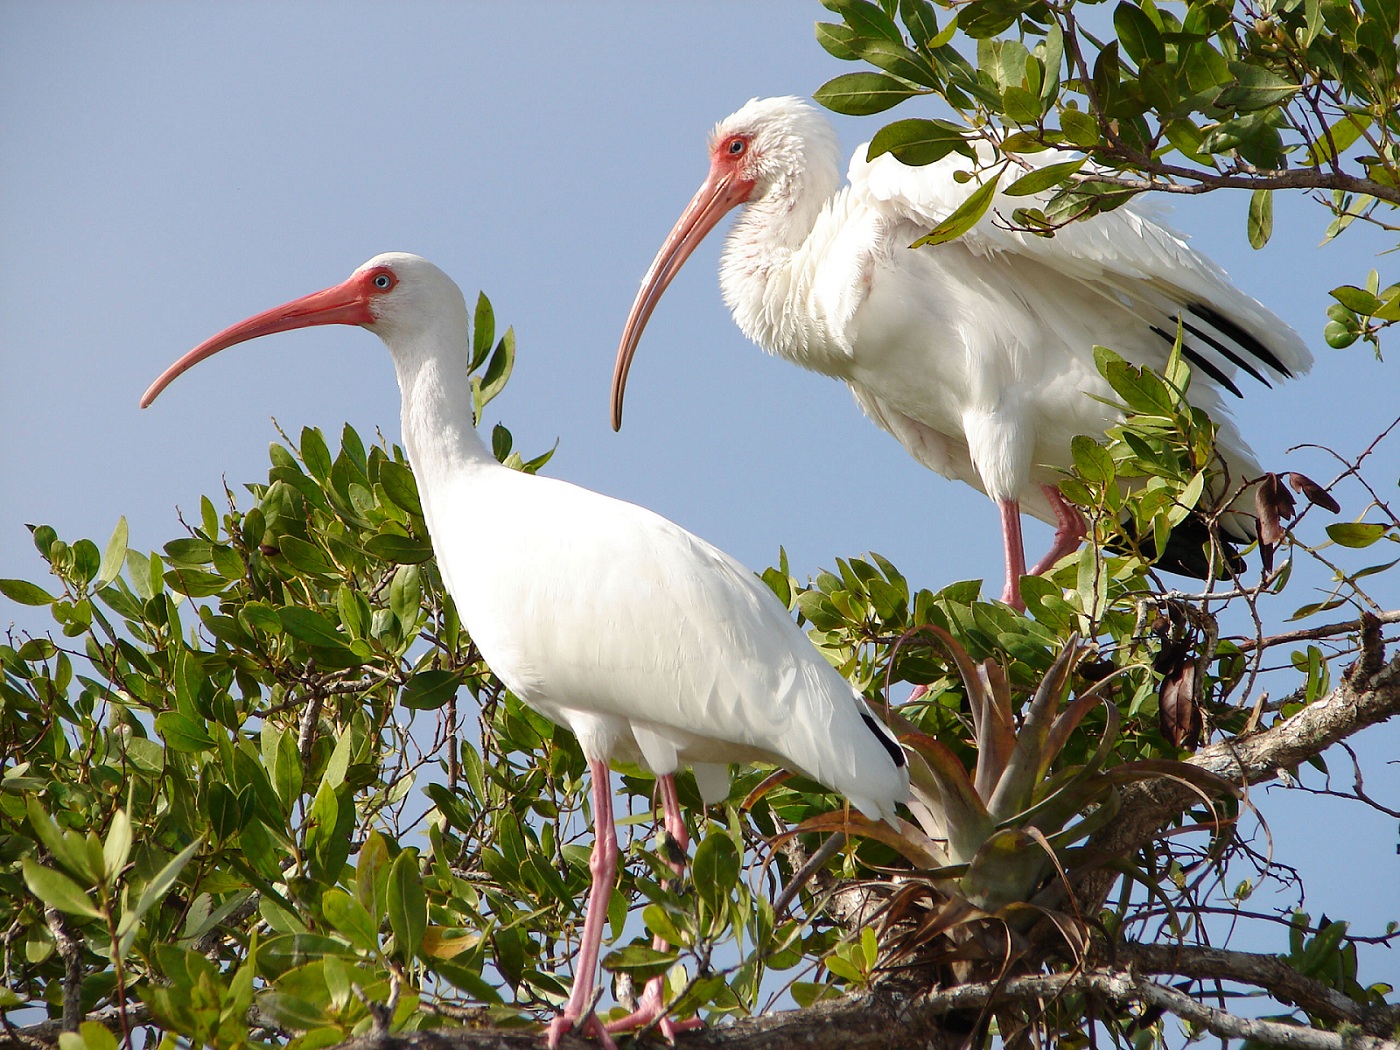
{"x":345,"y":303}
{"x":720,"y":191}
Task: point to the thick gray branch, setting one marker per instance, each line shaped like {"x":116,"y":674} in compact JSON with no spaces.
{"x":888,"y":1020}
{"x":1269,"y":972}
{"x":1369,"y":693}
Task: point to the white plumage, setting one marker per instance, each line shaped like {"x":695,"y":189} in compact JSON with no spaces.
{"x":644,"y":640}
{"x":977,"y":354}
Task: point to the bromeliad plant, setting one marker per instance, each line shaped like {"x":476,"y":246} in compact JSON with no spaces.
{"x":999,"y":846}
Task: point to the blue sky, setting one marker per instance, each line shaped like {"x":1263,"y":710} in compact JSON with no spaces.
{"x":170,"y":169}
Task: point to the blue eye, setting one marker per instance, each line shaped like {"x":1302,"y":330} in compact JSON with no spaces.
{"x":383,"y":282}
{"x":736,"y":147}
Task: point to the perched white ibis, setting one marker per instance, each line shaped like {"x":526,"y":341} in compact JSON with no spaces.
{"x":976,"y":354}
{"x":645,"y":641}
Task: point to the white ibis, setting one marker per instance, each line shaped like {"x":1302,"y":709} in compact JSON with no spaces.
{"x":976,"y":354}
{"x":645,"y":641}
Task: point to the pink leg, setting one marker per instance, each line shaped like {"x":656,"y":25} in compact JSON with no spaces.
{"x":653,"y":1003}
{"x":1070,"y":530}
{"x":603,"y":865}
{"x":1015,"y":552}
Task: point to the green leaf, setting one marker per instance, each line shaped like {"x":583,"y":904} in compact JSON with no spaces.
{"x":860,"y":94}
{"x":640,"y":960}
{"x":1254,"y":88}
{"x":305,"y":557}
{"x":1261,"y":217}
{"x":659,"y":923}
{"x":91,"y":1035}
{"x":116,"y":847}
{"x":1339,"y":336}
{"x":57,"y":890}
{"x":1138,"y":34}
{"x":1339,"y":137}
{"x":1043,"y":178}
{"x":350,"y":918}
{"x":498,"y":370}
{"x":1321,"y":948}
{"x":114,"y":558}
{"x":917,"y":142}
{"x":339,"y":762}
{"x":182,"y":732}
{"x":330,"y":826}
{"x":310,"y":627}
{"x":866,"y":19}
{"x":164,"y":879}
{"x":194,"y":583}
{"x":715,"y":871}
{"x":286,"y":771}
{"x":1358,"y":300}
{"x":429,"y":690}
{"x":406,"y":594}
{"x":372,"y":876}
{"x":1080,"y":128}
{"x":1092,"y":460}
{"x":25,"y":593}
{"x":408,"y":906}
{"x":483,"y":331}
{"x":897,"y":59}
{"x":66,"y":846}
{"x":400,"y":486}
{"x":965,"y":216}
{"x":838,"y":40}
{"x":1052,"y":58}
{"x":315,"y":454}
{"x":919,"y":18}
{"x":1355,"y":533}
{"x":225,"y":811}
{"x":1020,"y":106}
{"x":404,"y":550}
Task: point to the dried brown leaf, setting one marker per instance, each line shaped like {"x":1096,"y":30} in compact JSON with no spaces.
{"x":1313,"y":492}
{"x":1178,"y":711}
{"x":1274,"y":505}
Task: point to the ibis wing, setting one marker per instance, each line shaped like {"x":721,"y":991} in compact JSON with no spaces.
{"x":1124,"y":255}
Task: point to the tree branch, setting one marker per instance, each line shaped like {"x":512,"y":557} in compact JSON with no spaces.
{"x":1268,"y":972}
{"x":891,"y":1019}
{"x":1368,"y":693}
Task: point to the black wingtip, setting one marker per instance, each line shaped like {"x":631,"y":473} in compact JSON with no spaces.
{"x":882,"y":734}
{"x":1205,"y":364}
{"x":1248,"y":341}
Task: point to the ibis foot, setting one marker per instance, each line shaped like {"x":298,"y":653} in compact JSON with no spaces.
{"x":590,"y":1027}
{"x":652,"y":1010}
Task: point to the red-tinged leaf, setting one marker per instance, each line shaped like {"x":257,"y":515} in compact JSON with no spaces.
{"x":766,"y":785}
{"x":1203,"y":781}
{"x":909,"y":841}
{"x":1274,"y":505}
{"x":1313,"y":492}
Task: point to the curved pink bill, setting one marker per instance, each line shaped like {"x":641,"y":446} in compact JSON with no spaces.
{"x":721,"y":190}
{"x":345,"y":303}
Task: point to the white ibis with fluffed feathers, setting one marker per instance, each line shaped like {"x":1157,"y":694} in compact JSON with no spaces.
{"x":976,"y":354}
{"x":644,"y":640}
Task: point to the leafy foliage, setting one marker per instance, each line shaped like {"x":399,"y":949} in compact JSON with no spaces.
{"x":240,"y":805}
